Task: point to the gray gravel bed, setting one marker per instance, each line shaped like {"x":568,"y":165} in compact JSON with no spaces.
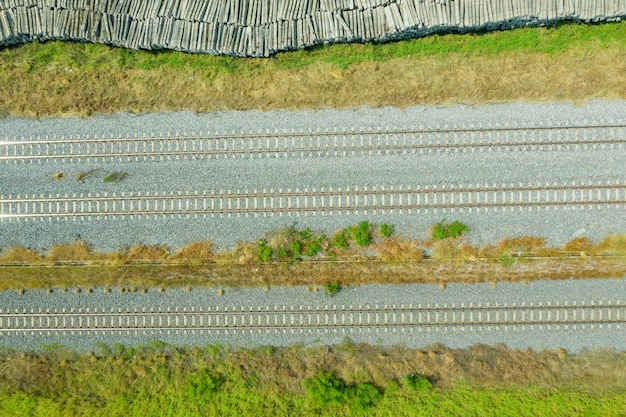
{"x":588,"y":291}
{"x":487,"y":226}
{"x":522,"y":114}
{"x":383,"y":170}
{"x":214,"y":175}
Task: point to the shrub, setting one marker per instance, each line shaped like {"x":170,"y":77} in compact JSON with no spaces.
{"x":363,"y":396}
{"x":332,"y":288}
{"x":311,"y":244}
{"x":444,"y":230}
{"x":325,"y":389}
{"x":313,"y":248}
{"x":290,"y":244}
{"x":506,"y":259}
{"x":82,"y":176}
{"x":362,"y":234}
{"x":202,"y":386}
{"x":264,"y":252}
{"x":305,"y":234}
{"x":295,"y":249}
{"x":386,"y":230}
{"x":415,"y":382}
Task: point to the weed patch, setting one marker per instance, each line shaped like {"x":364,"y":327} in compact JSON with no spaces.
{"x":443,"y":230}
{"x":116,"y":177}
{"x":386,"y":230}
{"x":332,"y":288}
{"x":362,"y":233}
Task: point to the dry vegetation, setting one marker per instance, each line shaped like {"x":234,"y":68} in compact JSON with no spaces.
{"x":281,"y":259}
{"x":568,"y":62}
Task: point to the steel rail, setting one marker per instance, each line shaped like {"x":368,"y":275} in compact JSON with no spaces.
{"x":318,"y":309}
{"x":314,"y":193}
{"x":393,"y":148}
{"x":342,"y":326}
{"x":214,"y":212}
{"x":393,"y":198}
{"x":23,"y":149}
{"x":335,"y":133}
{"x":316,"y":318}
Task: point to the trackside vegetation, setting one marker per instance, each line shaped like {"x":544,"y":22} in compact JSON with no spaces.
{"x":347,"y":380}
{"x":566,"y":62}
{"x":357,"y":254}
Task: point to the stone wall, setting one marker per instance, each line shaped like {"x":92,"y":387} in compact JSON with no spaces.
{"x":259,"y":28}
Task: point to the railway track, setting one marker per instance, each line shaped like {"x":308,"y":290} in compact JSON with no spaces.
{"x":311,"y":143}
{"x":362,"y":318}
{"x":312,"y":201}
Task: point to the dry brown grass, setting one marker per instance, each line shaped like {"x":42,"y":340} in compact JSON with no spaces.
{"x":20,"y":255}
{"x":70,"y":252}
{"x":575,"y":72}
{"x":194,"y":253}
{"x":578,"y":244}
{"x":146,"y":253}
{"x":311,"y":273}
{"x":243,"y":253}
{"x":449,"y":249}
{"x":395,"y":249}
{"x":522,"y":246}
{"x":612,"y":244}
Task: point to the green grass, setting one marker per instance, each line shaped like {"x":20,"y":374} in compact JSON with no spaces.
{"x":459,"y":402}
{"x":343,"y":380}
{"x":551,"y":40}
{"x":565,"y":62}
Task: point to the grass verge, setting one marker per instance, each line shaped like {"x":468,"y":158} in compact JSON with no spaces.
{"x":573,"y":62}
{"x":346,"y":379}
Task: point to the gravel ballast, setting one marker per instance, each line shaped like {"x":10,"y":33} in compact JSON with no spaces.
{"x":562,"y":292}
{"x":494,"y":167}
